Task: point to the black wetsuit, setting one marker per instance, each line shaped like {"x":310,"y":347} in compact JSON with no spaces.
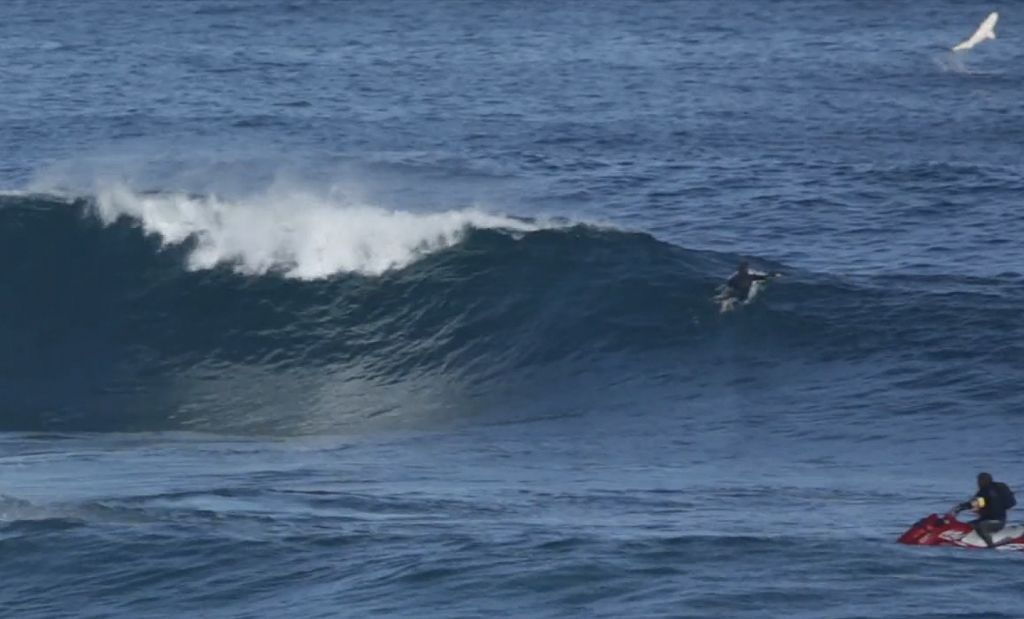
{"x":739,"y":284}
{"x":991,"y":517}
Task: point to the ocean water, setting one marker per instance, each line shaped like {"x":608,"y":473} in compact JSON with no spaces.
{"x":403,"y":308}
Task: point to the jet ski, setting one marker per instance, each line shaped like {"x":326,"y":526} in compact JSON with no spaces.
{"x":936,"y":530}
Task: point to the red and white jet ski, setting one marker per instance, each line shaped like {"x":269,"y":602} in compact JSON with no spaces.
{"x":936,"y":530}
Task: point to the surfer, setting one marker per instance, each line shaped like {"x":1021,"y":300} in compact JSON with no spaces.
{"x":739,"y":285}
{"x":990,"y":502}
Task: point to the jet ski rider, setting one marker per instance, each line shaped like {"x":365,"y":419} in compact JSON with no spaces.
{"x":990,"y":502}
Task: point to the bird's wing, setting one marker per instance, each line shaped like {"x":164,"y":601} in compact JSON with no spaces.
{"x":984,"y":31}
{"x":989,"y":25}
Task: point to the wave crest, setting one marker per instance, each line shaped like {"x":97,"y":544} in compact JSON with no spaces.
{"x":302,"y":235}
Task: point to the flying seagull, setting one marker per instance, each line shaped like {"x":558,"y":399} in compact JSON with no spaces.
{"x":985,"y":31}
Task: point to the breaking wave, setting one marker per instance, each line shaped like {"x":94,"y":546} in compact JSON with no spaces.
{"x":125,"y":311}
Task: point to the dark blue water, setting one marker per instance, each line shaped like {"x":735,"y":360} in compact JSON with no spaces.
{"x":339,"y":309}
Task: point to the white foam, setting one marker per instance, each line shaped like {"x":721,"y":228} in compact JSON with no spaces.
{"x":303,"y":235}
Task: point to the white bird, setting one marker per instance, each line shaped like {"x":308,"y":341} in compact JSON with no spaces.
{"x":984,"y":32}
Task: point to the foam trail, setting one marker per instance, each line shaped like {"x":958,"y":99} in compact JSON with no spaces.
{"x":302,"y":235}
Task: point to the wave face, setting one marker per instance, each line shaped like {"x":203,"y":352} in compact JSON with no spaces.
{"x":162,"y":312}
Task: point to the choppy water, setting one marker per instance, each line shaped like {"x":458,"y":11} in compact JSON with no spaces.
{"x":332,"y":309}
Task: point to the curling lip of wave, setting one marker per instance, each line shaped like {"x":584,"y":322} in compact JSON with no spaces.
{"x":301,"y":235}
